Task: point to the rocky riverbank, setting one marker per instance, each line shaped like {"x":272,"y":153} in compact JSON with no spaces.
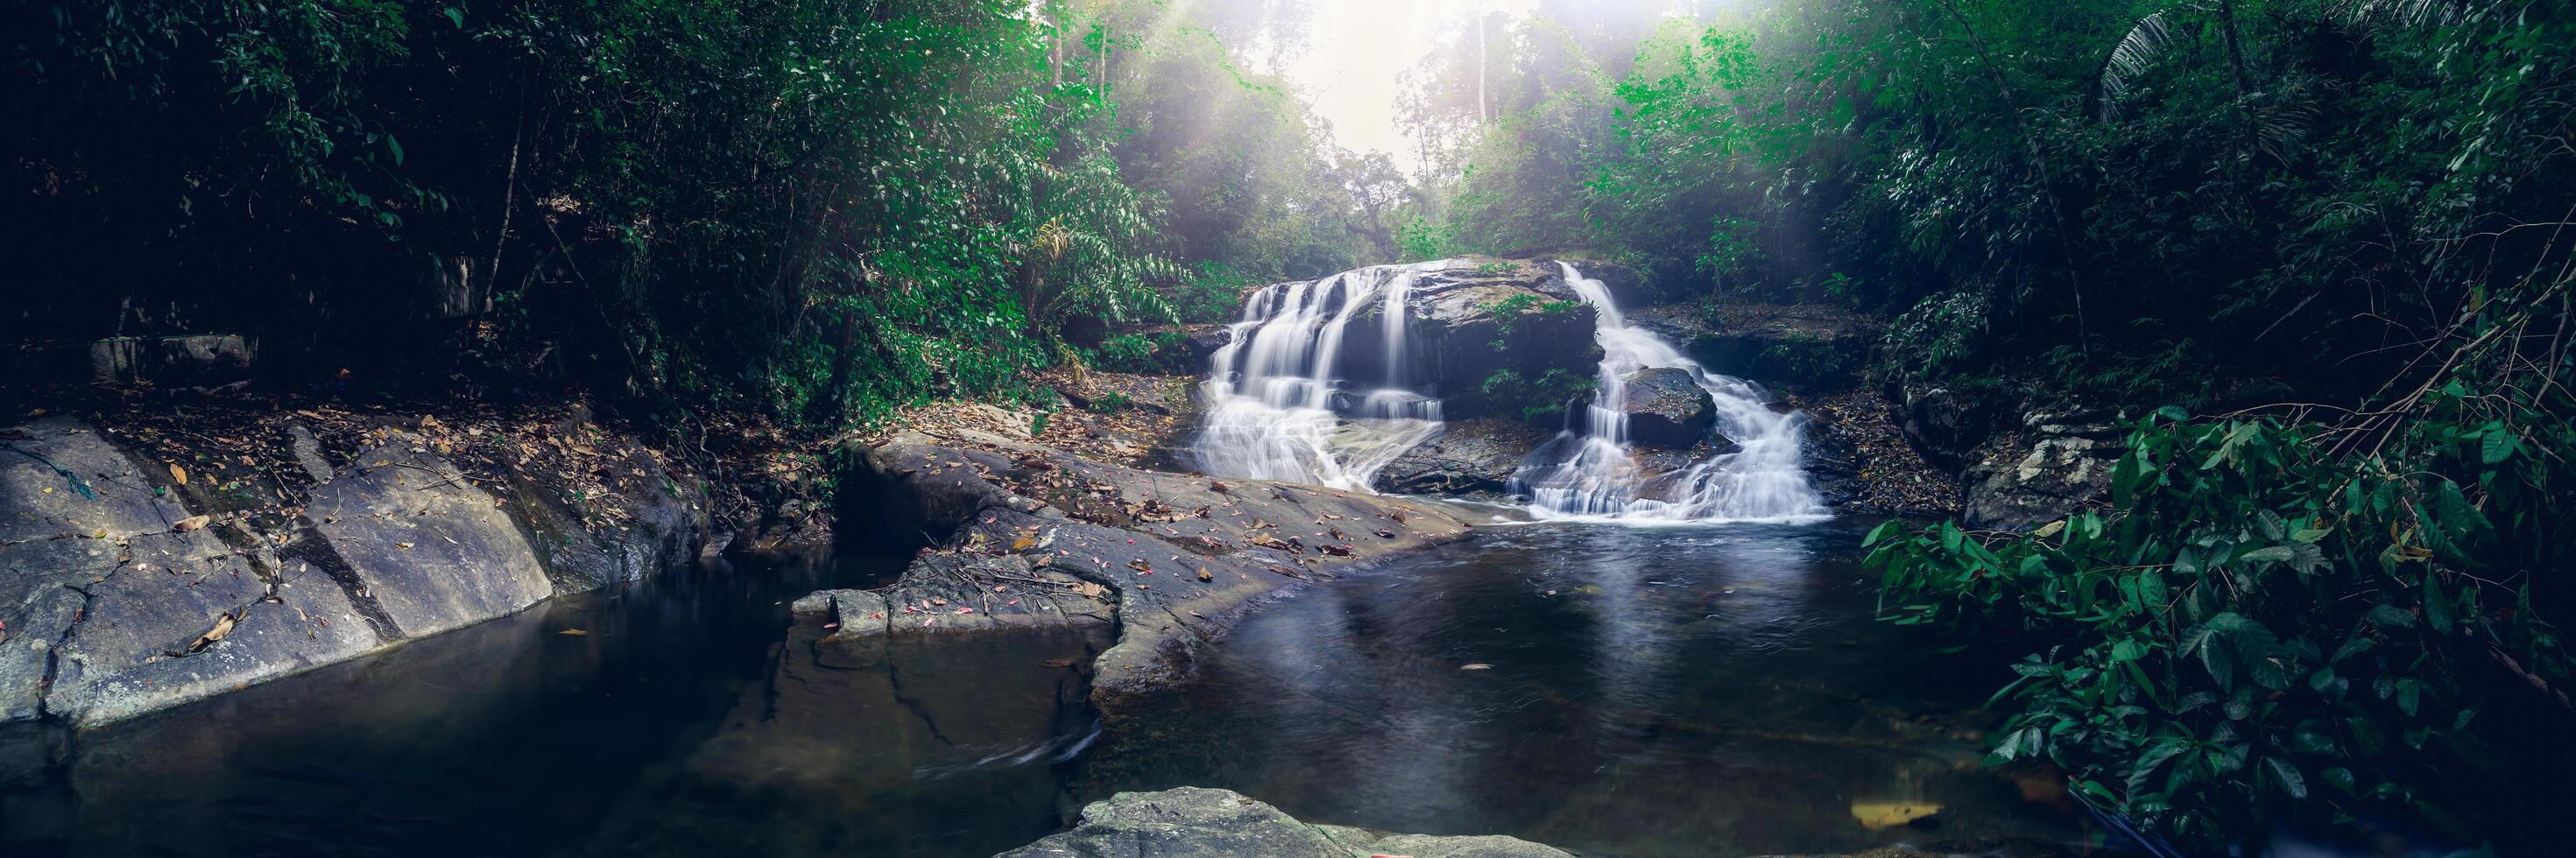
{"x":146,"y":562}
{"x":1026,"y":535}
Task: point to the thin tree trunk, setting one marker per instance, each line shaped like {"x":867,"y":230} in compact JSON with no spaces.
{"x":2039,"y":161}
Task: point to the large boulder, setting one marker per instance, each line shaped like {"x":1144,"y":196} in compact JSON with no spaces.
{"x":131,"y":588}
{"x":1666,"y":408}
{"x":1466,"y":320}
{"x":1812,"y":346}
{"x":1194,"y":822}
{"x":1475,"y":458}
{"x":1948,"y":424}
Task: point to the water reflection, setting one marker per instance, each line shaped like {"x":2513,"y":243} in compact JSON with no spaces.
{"x":677,"y":723}
{"x":1673,"y":691}
{"x":1630,"y":691}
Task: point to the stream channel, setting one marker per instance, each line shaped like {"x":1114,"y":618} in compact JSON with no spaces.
{"x":1677,"y":690}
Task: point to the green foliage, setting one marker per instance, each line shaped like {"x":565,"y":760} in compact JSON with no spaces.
{"x":1543,"y":400}
{"x":1141,"y":353}
{"x":815,"y":208}
{"x":1212,"y":293}
{"x":2262,"y":624}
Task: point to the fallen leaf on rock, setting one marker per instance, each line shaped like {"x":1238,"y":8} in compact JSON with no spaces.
{"x":223,"y":626}
{"x":1875,"y":815}
{"x":190,"y":523}
{"x":403,"y":545}
{"x":178,"y":473}
{"x":573,"y":632}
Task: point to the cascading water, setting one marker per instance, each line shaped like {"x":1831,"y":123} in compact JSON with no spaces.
{"x":1278,"y":407}
{"x":1590,"y":473}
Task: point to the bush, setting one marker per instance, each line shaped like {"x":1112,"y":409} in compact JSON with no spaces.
{"x":1543,"y":401}
{"x":2263,"y":631}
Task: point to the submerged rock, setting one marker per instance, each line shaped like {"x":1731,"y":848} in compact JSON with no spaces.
{"x":1193,"y":822}
{"x":1026,"y":536}
{"x":1666,"y":408}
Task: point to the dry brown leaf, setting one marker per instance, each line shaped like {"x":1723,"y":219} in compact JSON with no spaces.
{"x":190,"y":523}
{"x":223,"y":626}
{"x":573,"y":632}
{"x":178,"y":473}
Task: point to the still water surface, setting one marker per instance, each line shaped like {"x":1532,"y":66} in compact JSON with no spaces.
{"x":1684,"y":691}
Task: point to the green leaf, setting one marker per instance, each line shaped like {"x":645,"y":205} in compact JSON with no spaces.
{"x":396,"y":146}
{"x":2496,"y":447}
{"x":2287,"y":776}
{"x":456,"y":16}
{"x":2437,"y":608}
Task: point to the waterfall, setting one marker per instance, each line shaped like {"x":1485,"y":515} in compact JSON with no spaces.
{"x":1589,"y":473}
{"x":1278,"y":405}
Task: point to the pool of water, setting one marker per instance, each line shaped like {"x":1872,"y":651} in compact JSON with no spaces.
{"x":1706,"y":690}
{"x":1615,"y":690}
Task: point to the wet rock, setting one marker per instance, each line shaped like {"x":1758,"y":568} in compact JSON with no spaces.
{"x":1948,"y":424}
{"x":1025,"y":536}
{"x":1466,"y":321}
{"x":1192,"y":822}
{"x":1666,"y":408}
{"x":431,"y":551}
{"x":1473,"y":458}
{"x":650,"y":529}
{"x":308,"y":454}
{"x":1802,"y":345}
{"x":128,"y":591}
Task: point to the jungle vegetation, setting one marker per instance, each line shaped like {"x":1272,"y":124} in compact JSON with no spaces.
{"x":2315,"y":252}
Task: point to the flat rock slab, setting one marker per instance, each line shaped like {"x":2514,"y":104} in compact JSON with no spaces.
{"x":1036,"y":538}
{"x":430,"y":550}
{"x":1193,"y":822}
{"x":127,"y":588}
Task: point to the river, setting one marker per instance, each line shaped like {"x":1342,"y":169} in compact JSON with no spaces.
{"x":1616,"y":690}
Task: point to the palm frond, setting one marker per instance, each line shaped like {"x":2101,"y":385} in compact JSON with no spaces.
{"x":2144,"y":43}
{"x":2396,"y":13}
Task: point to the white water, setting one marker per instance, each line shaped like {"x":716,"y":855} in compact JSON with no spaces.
{"x":1278,"y":408}
{"x":1589,"y":473}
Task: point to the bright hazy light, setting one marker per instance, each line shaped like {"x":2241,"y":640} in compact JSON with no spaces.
{"x":1357,"y":48}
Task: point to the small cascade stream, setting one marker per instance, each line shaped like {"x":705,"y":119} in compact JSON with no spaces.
{"x":1589,"y":472}
{"x":1279,"y":408}
{"x":1309,"y":389}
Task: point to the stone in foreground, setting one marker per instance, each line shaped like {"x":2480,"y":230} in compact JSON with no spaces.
{"x":1193,"y":822}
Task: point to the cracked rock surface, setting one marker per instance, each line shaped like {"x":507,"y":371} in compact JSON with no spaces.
{"x":126,"y":589}
{"x":1030,"y":537}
